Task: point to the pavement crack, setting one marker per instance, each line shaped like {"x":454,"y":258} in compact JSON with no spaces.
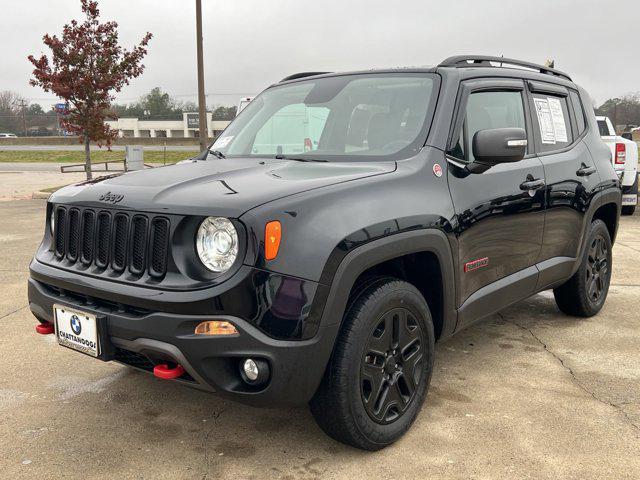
{"x":11,"y":313}
{"x":580,"y":385}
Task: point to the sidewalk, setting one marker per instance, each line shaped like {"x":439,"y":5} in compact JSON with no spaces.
{"x":18,"y":184}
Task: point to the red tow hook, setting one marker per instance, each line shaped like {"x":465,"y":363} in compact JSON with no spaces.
{"x":166,"y":372}
{"x":45,"y":328}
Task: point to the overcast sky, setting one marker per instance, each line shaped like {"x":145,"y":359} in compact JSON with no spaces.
{"x":249,"y":44}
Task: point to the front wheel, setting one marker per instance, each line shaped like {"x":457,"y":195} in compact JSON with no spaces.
{"x":379,"y":372}
{"x":583,"y":295}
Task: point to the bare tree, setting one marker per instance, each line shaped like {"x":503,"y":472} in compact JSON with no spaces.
{"x":10,"y":111}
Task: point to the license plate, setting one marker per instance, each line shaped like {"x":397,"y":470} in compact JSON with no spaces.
{"x":629,"y":199}
{"x":77,"y":330}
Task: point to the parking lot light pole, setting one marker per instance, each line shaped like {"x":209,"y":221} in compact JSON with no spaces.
{"x":202,"y":102}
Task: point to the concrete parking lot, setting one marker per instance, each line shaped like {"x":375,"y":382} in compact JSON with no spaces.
{"x":528,"y":393}
{"x":18,"y":182}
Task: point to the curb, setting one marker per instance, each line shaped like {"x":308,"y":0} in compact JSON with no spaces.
{"x":41,"y":195}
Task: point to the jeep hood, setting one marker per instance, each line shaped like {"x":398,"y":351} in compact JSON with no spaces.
{"x":226,"y":187}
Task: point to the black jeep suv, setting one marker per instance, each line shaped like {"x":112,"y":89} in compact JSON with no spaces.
{"x":337,"y":228}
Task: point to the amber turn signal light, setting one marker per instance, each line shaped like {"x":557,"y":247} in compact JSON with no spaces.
{"x":216,"y":327}
{"x":272,"y":236}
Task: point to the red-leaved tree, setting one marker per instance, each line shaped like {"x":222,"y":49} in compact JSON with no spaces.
{"x":87,"y":66}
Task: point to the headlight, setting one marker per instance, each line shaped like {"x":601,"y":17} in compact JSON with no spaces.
{"x":217,"y":243}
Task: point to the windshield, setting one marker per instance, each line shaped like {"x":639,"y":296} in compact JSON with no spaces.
{"x":350,"y":117}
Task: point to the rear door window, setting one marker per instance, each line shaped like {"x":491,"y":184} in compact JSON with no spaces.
{"x":578,"y":111}
{"x":552,"y":122}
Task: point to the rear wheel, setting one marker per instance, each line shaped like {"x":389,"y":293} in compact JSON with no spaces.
{"x":380,"y":369}
{"x":630,"y":209}
{"x":583,"y":295}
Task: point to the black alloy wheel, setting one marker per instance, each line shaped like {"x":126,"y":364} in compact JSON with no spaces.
{"x":377,"y":378}
{"x":584,"y":294}
{"x":391,"y":366}
{"x":597,"y":270}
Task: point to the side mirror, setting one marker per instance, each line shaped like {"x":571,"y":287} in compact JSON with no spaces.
{"x":497,"y":145}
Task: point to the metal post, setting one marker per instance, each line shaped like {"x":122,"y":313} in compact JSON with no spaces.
{"x":24,"y":119}
{"x":202,"y":102}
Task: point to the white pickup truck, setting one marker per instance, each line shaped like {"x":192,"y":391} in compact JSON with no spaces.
{"x":625,"y":161}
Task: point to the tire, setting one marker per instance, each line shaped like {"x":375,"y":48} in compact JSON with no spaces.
{"x":378,"y":375}
{"x":630,"y":209}
{"x":584,"y":294}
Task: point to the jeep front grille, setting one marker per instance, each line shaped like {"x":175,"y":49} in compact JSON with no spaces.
{"x":116,"y":241}
{"x":88,"y":231}
{"x":159,"y":244}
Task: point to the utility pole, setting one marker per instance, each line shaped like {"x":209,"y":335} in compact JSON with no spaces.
{"x":202,"y":101}
{"x":24,"y":119}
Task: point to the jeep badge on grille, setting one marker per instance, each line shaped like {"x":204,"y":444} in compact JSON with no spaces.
{"x":110,"y":197}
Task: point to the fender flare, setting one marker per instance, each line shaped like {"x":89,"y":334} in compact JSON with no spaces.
{"x":387,"y":248}
{"x":611,"y":196}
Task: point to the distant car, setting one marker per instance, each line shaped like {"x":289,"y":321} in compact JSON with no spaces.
{"x":625,"y":162}
{"x":8,"y":135}
{"x":242,"y":104}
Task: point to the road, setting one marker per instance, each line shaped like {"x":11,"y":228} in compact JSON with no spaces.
{"x":528,"y":393}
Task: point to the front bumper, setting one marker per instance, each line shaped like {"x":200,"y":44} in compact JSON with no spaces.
{"x":142,"y":338}
{"x":630,"y":190}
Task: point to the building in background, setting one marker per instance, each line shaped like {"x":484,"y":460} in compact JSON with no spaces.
{"x":187,"y":127}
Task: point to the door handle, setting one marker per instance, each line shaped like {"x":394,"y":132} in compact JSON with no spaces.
{"x":532,"y":184}
{"x":585,"y":171}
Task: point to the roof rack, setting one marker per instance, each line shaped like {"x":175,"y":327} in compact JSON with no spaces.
{"x":485,"y":61}
{"x":301,"y":75}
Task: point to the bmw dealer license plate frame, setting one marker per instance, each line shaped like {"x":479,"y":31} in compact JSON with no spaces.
{"x":91,"y":331}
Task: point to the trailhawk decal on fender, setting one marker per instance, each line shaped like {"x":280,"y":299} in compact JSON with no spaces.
{"x":476,"y":264}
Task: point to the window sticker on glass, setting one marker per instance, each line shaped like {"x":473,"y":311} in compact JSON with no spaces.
{"x":545,"y":120}
{"x":559,"y":125}
{"x":222,"y":141}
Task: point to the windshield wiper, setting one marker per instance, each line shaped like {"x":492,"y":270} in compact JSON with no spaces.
{"x":297,"y":159}
{"x":217,"y":154}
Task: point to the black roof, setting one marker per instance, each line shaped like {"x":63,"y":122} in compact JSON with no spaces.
{"x":483,"y":63}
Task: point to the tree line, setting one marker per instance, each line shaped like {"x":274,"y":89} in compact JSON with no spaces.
{"x":16,"y":114}
{"x":624,"y":112}
{"x":159,"y":105}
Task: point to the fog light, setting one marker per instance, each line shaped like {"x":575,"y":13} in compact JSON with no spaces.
{"x":216,"y":327}
{"x":254,"y":371}
{"x":250,"y":369}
